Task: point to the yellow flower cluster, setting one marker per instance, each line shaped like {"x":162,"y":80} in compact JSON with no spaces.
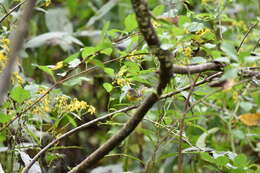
{"x":2,"y":60}
{"x":134,"y":58}
{"x":120,"y":79}
{"x":16,"y":78}
{"x":199,"y":34}
{"x":203,"y":31}
{"x":206,"y":1}
{"x":47,"y":3}
{"x":155,"y":24}
{"x":64,"y":104}
{"x":187,"y":51}
{"x":123,"y":81}
{"x":5,"y":43}
{"x":240,"y":24}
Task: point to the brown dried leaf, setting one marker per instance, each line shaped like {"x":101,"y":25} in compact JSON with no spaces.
{"x":250,"y":119}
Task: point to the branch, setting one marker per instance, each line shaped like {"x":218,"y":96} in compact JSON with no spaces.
{"x":191,"y":69}
{"x":10,"y":12}
{"x":109,"y":115}
{"x":16,"y":42}
{"x":246,"y":35}
{"x":147,"y":30}
{"x":83,"y":126}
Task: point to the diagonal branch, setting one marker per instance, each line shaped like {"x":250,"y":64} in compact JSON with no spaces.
{"x":109,"y":115}
{"x":143,"y":18}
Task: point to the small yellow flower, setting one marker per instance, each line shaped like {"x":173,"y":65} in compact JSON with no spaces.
{"x":91,"y":109}
{"x":5,"y":43}
{"x":16,"y":78}
{"x":155,"y":24}
{"x":47,"y":3}
{"x":203,"y":31}
{"x":3,"y":60}
{"x":187,"y":51}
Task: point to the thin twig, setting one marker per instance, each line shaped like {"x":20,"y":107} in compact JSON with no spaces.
{"x":246,"y":35}
{"x":57,"y":84}
{"x":83,"y":126}
{"x":182,"y":125}
{"x":12,"y":10}
{"x":104,"y":117}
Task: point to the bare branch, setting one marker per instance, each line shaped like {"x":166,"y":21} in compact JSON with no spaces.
{"x":105,"y":117}
{"x":147,"y":30}
{"x":10,"y":12}
{"x":16,"y":42}
{"x":83,"y":126}
{"x":191,"y":69}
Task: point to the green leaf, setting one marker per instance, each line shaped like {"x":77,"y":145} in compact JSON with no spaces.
{"x":130,"y":23}
{"x":97,"y":63}
{"x":107,"y":51}
{"x":222,"y":160}
{"x":201,"y":142}
{"x":108,"y":87}
{"x":229,"y":50}
{"x":76,"y":81}
{"x":45,"y":69}
{"x":71,"y":57}
{"x":19,"y":94}
{"x":87,"y":51}
{"x":4,"y":118}
{"x":246,"y":106}
{"x":230,"y":74}
{"x":109,"y":71}
{"x":158,"y":10}
{"x":240,"y":161}
{"x":132,"y":67}
{"x":207,"y":157}
{"x":72,"y":121}
{"x":183,"y":20}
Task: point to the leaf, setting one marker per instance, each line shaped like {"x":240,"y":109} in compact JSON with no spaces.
{"x":246,"y":106}
{"x":1,"y":169}
{"x":107,"y":51}
{"x":56,"y":20}
{"x":108,"y":87}
{"x":250,"y":119}
{"x":74,"y":63}
{"x":109,"y":71}
{"x":63,"y":39}
{"x":46,"y":69}
{"x":130,"y":23}
{"x":19,"y":94}
{"x":76,"y":81}
{"x":72,"y":121}
{"x":222,"y":160}
{"x":102,"y":11}
{"x":71,"y":57}
{"x":158,"y":10}
{"x":229,"y":50}
{"x":89,"y":51}
{"x":207,"y":157}
{"x":132,"y":67}
{"x":201,"y":142}
{"x":240,"y":161}
{"x":4,"y":118}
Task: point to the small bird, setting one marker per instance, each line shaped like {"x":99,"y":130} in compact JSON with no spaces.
{"x":133,"y":95}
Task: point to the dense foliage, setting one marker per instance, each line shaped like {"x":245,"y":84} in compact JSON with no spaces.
{"x":84,"y":59}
